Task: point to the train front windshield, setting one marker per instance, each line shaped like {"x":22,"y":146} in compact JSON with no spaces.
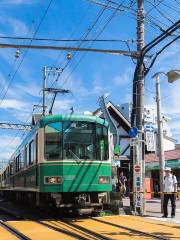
{"x":76,"y":140}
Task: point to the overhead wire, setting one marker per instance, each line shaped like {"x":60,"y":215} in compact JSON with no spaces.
{"x":102,"y":29}
{"x":36,"y":31}
{"x":15,"y":60}
{"x":25,"y":53}
{"x":170,"y":7}
{"x":85,"y":35}
{"x":29,"y":116}
{"x":64,"y":40}
{"x":160,"y":12}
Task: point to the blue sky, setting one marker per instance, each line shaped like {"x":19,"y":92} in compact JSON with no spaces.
{"x":95,"y":74}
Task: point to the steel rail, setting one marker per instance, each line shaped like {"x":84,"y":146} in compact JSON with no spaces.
{"x":14,"y":231}
{"x":132,"y":229}
{"x":94,"y":234}
{"x":67,"y":232}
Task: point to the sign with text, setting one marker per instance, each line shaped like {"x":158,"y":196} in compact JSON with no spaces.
{"x":138,"y":200}
{"x":150,"y":141}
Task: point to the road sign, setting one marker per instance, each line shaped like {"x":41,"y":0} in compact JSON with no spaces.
{"x":133,"y":132}
{"x":150,"y":141}
{"x":137,"y":168}
{"x":149,"y":128}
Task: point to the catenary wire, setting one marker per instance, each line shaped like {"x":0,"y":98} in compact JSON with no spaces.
{"x":25,"y":54}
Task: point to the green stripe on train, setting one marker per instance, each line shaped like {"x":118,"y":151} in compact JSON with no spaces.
{"x":72,"y":117}
{"x":76,"y":178}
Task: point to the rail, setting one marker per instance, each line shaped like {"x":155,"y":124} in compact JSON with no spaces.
{"x":14,"y":231}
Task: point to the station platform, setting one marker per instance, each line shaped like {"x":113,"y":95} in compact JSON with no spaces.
{"x":15,"y":224}
{"x":153,"y":210}
{"x":124,"y":227}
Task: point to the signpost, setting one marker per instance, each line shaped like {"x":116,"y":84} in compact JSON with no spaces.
{"x":137,"y":183}
{"x":136,"y":143}
{"x":150,"y":138}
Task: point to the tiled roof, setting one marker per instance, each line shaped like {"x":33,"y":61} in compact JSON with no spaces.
{"x":169,"y":155}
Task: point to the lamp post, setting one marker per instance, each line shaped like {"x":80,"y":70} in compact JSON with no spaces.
{"x":172,"y":76}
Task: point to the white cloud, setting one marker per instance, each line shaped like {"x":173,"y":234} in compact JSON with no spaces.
{"x":14,"y":104}
{"x":17,"y":27}
{"x":124,"y":79}
{"x":64,"y":104}
{"x":8,"y":146}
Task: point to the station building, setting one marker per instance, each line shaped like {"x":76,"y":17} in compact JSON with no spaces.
{"x":121,"y":116}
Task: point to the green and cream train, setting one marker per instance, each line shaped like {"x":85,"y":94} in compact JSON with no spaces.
{"x":65,"y":160}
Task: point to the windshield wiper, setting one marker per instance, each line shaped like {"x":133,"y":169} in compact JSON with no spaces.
{"x":76,"y":157}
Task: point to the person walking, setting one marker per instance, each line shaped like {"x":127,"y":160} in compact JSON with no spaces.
{"x":122,"y":183}
{"x":170,"y":192}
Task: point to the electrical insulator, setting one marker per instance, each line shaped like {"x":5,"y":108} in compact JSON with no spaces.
{"x":17,"y":55}
{"x":69,"y":56}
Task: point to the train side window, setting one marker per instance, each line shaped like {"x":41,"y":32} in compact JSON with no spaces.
{"x":8,"y":171}
{"x":31,"y":152}
{"x":18,"y":163}
{"x":22,"y":159}
{"x":26,"y":156}
{"x":53,"y":141}
{"x":36,"y":148}
{"x":101,"y":142}
{"x":11,"y":169}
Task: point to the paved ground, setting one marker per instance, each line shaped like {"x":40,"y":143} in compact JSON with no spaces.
{"x":153,"y":210}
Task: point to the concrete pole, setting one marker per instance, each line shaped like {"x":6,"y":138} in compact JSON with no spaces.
{"x":44,"y":93}
{"x":160,"y":139}
{"x":140,"y":99}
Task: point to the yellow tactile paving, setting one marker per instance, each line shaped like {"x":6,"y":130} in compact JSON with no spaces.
{"x":164,"y":229}
{"x":101,"y":225}
{"x":64,"y":225}
{"x":6,"y":235}
{"x":37,"y":231}
{"x":109,"y":231}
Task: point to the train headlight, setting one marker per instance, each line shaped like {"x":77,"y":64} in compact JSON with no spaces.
{"x":104,"y":180}
{"x":53,"y":180}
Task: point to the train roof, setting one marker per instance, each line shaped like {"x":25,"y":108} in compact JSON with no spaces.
{"x":71,"y":117}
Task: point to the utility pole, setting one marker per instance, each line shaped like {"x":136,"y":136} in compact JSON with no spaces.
{"x":138,"y":111}
{"x":44,"y":92}
{"x":160,"y":139}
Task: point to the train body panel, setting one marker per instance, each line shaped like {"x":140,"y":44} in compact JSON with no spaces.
{"x":63,"y":154}
{"x":82,"y":177}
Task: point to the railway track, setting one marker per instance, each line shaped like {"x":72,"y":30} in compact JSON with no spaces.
{"x":13,"y":231}
{"x":85,"y":229}
{"x":66,"y":230}
{"x":132,"y":230}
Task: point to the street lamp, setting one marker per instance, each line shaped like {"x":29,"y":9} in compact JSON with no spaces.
{"x":172,"y":76}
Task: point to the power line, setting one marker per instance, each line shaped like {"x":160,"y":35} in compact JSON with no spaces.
{"x":10,"y":82}
{"x":85,"y":35}
{"x":67,"y":40}
{"x":160,"y":12}
{"x":22,"y":60}
{"x":77,"y":64}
